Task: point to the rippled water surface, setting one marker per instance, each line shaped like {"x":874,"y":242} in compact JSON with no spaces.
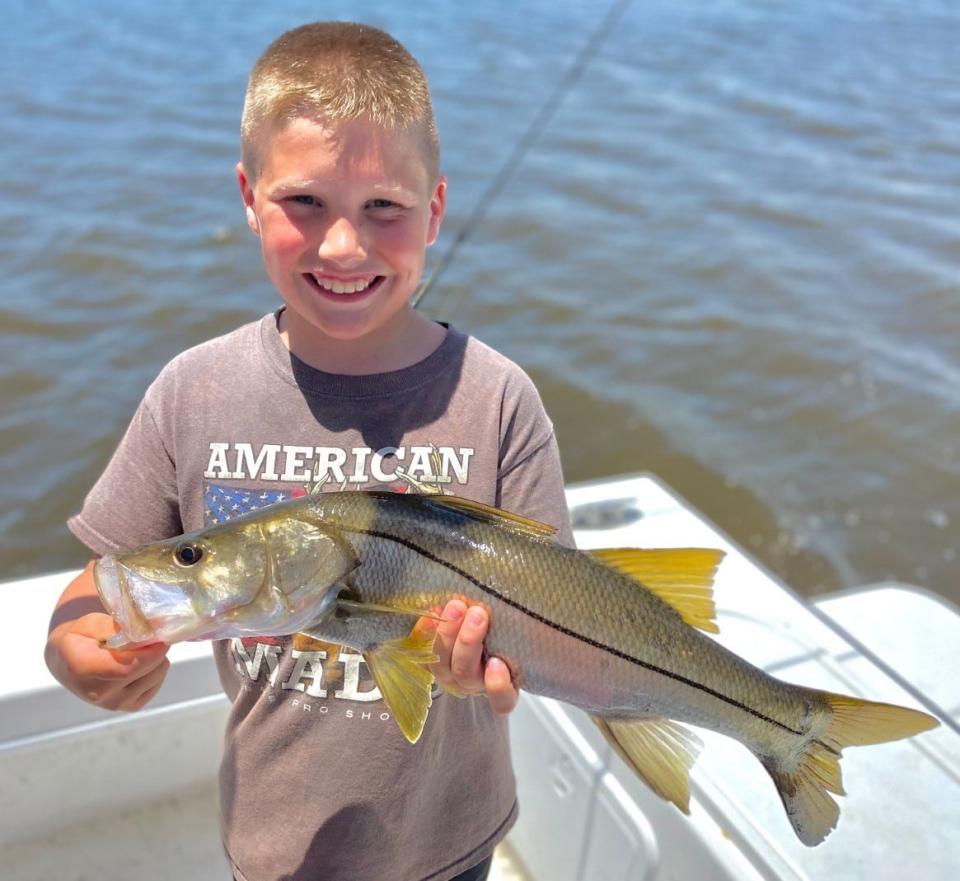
{"x":731,"y":257}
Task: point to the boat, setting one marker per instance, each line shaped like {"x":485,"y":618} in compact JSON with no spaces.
{"x":93,"y":794}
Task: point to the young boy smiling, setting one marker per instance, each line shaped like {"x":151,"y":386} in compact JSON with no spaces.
{"x":344,"y":211}
{"x":345,"y":386}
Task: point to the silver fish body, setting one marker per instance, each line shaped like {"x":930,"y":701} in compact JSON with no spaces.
{"x":611,"y":631}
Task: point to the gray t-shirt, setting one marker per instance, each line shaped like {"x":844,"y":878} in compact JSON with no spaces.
{"x":316,"y":779}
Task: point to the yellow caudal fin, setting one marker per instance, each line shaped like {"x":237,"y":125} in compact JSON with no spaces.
{"x":806,"y":781}
{"x":681,"y":577}
{"x":399,"y":668}
{"x":659,"y":751}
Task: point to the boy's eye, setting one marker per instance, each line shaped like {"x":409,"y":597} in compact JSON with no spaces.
{"x":304,"y":200}
{"x":382,"y":203}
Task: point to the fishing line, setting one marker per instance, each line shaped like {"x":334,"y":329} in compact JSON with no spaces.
{"x":533,"y":132}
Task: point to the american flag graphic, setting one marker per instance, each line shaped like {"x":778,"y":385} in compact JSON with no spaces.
{"x":223,"y":503}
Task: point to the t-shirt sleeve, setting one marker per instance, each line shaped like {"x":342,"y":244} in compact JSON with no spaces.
{"x":135,"y":500}
{"x":530,"y":479}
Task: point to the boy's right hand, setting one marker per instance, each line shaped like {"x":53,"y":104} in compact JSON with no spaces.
{"x":115,"y":680}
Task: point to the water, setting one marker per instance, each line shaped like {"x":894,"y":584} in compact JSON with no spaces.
{"x":731,"y":257}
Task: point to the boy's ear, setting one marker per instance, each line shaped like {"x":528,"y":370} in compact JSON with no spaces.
{"x":438,"y":205}
{"x":246,"y":193}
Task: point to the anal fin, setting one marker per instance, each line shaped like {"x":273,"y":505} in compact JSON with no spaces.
{"x":399,"y":667}
{"x":659,"y":751}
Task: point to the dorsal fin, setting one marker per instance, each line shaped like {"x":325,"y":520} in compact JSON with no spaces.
{"x":488,"y":514}
{"x":681,"y":577}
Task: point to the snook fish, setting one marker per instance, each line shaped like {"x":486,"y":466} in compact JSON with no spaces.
{"x":615,"y":632}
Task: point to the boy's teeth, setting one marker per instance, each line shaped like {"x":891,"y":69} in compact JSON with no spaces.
{"x":343,"y":287}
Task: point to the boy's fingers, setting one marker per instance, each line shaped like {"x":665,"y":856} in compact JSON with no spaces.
{"x":501,"y":693}
{"x":467,"y":654}
{"x":427,"y":626}
{"x":84,"y":651}
{"x":97,"y":625}
{"x":129,"y":663}
{"x":134,"y":694}
{"x":447,"y":631}
{"x":138,"y":693}
{"x":144,"y":699}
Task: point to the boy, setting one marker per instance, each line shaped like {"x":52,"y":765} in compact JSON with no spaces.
{"x":345,"y":386}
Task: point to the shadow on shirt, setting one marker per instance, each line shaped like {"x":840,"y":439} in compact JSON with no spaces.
{"x":390,"y":405}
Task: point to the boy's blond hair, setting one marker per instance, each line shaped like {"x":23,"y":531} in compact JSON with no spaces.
{"x":333,"y":70}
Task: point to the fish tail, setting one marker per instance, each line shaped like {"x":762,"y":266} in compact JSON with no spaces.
{"x":805,"y":778}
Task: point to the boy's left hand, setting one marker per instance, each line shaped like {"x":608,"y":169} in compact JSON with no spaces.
{"x":459,"y":644}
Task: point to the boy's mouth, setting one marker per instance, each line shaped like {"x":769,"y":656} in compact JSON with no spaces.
{"x":334,"y":287}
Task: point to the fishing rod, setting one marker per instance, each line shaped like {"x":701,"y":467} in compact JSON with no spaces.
{"x":533,"y":132}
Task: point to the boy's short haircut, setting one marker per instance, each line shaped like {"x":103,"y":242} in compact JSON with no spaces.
{"x":338,"y":71}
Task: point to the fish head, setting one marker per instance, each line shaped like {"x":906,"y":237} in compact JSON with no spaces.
{"x":167,"y":590}
{"x":256,"y":576}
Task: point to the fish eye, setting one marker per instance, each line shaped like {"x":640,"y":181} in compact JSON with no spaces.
{"x":186,"y":553}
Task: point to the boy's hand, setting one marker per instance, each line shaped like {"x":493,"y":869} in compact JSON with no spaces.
{"x":114,"y":680}
{"x":459,"y":644}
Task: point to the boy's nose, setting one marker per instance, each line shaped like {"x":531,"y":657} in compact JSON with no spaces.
{"x":342,"y":242}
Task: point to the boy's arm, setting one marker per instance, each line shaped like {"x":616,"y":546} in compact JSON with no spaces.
{"x":114,"y":680}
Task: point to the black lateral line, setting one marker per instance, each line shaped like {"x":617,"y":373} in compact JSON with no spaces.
{"x":572,"y":633}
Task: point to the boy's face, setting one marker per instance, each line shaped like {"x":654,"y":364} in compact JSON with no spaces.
{"x":344,"y":212}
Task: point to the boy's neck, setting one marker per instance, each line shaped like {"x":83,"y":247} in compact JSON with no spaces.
{"x":409,"y":339}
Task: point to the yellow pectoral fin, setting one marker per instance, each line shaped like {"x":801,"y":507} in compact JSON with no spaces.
{"x":399,"y":668}
{"x":359,"y":607}
{"x":681,"y":577}
{"x":661,"y":753}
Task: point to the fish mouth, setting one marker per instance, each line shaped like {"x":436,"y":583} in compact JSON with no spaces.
{"x":137,"y":619}
{"x":110,"y":578}
{"x":108,"y":586}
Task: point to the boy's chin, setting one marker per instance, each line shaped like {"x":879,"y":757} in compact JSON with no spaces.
{"x":349,"y":326}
